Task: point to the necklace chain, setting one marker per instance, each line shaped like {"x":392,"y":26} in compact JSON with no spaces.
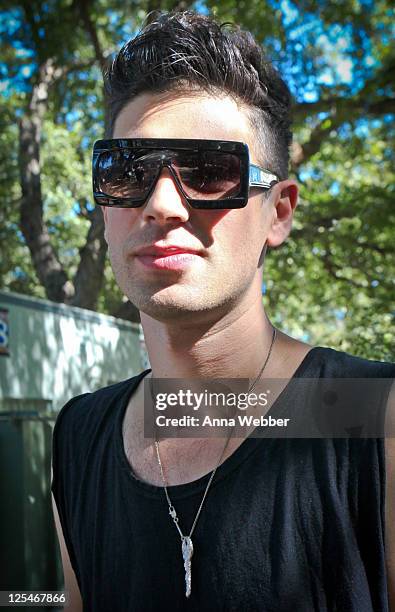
{"x":172,"y":510}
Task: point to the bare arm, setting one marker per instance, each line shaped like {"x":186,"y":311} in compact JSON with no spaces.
{"x":70,"y":581}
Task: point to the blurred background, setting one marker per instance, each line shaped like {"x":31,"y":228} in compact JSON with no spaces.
{"x":331,"y":284}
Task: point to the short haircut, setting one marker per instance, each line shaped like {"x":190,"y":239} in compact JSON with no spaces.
{"x":187,"y":51}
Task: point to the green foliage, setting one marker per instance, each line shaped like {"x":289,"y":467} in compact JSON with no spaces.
{"x":66,"y":184}
{"x":334,"y":277}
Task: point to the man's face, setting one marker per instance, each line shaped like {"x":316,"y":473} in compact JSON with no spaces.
{"x":227,"y":244}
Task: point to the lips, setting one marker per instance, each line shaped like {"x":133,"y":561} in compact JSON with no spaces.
{"x":165,"y":251}
{"x":172,"y":258}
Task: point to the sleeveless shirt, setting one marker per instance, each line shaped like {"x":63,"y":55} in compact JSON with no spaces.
{"x":288,"y":525}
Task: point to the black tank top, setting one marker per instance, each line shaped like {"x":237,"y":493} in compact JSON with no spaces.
{"x":288,"y":525}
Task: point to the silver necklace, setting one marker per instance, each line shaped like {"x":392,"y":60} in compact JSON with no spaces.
{"x":186,"y":540}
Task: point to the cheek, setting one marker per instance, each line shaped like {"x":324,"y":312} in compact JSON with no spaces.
{"x":118,"y":225}
{"x":241,"y":233}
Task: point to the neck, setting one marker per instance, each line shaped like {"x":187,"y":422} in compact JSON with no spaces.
{"x":227,"y":344}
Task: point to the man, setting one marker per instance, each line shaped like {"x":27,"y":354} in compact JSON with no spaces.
{"x":209,"y":524}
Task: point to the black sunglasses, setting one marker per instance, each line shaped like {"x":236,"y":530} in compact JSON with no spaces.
{"x":210,"y":174}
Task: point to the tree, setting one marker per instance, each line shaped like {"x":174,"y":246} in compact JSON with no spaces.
{"x":339,"y":66}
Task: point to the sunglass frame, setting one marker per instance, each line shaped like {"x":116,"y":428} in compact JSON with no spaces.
{"x":249,"y":174}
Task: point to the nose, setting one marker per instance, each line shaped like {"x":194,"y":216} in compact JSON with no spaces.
{"x":166,"y":204}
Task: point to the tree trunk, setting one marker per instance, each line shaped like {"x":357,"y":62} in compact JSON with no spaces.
{"x":127,"y":311}
{"x":89,"y":277}
{"x":45,"y":261}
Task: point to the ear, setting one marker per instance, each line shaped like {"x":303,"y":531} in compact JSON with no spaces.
{"x":284,"y":199}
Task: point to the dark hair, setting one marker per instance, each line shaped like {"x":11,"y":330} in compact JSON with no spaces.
{"x":186,"y":50}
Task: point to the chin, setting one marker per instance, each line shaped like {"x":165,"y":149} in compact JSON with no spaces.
{"x":168,"y":307}
{"x":183,"y":307}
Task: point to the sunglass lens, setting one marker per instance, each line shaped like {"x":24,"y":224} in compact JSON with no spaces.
{"x":204,"y":175}
{"x":124,"y":174}
{"x":208,"y":175}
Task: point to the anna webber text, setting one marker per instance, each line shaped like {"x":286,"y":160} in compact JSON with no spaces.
{"x":208,"y":421}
